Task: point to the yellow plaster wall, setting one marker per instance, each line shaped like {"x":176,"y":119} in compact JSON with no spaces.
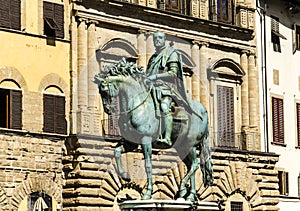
{"x":34,"y":58}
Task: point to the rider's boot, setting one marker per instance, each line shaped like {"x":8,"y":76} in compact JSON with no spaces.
{"x":168,"y":119}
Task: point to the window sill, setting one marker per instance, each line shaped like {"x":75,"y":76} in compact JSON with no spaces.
{"x":278,"y":144}
{"x":12,"y":132}
{"x":34,"y":35}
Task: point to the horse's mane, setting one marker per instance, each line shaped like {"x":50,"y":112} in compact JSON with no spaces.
{"x":124,"y":68}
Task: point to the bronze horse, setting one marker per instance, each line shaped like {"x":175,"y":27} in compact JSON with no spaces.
{"x":139,"y":125}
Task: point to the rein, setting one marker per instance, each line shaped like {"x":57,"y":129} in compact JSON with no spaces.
{"x":141,"y":103}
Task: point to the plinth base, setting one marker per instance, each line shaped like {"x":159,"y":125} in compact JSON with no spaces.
{"x":167,"y":205}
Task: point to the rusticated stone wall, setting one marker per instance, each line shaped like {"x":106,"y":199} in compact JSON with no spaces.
{"x":29,"y":163}
{"x":92,"y":182}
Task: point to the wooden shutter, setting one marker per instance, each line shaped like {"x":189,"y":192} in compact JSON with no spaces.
{"x":16,"y":109}
{"x":60,"y":121}
{"x":54,"y":19}
{"x":10,"y":14}
{"x":298,"y":123}
{"x":278,"y":120}
{"x":4,"y":13}
{"x":15,"y":14}
{"x":225,"y":116}
{"x":59,"y":18}
{"x":286,"y":183}
{"x":49,"y":113}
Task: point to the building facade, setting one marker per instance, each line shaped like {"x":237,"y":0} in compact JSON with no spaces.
{"x":217,"y":40}
{"x":34,"y":102}
{"x":279,"y":75}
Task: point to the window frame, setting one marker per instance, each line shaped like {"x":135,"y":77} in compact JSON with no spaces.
{"x":275,"y":33}
{"x":10,"y":14}
{"x":238,"y":203}
{"x":13,"y":108}
{"x":296,"y":38}
{"x":283,"y":182}
{"x":53,"y":19}
{"x":277,"y":106}
{"x":54,"y":120}
{"x":229,"y":140}
{"x":229,"y":11}
{"x":298,"y":123}
{"x":33,"y":197}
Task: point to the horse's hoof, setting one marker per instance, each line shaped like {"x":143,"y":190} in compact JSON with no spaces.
{"x":182,"y":193}
{"x":125,"y":176}
{"x":147,"y":195}
{"x":191,"y":198}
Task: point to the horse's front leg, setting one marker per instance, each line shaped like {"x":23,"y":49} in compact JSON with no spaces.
{"x":192,"y":165}
{"x":118,"y":151}
{"x":195,"y":166}
{"x":147,"y":150}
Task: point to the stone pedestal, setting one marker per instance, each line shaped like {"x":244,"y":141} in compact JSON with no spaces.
{"x":166,"y":205}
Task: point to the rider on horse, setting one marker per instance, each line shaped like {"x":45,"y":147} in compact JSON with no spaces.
{"x":165,"y":70}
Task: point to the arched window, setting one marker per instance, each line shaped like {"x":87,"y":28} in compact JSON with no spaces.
{"x":39,"y":201}
{"x":10,"y":105}
{"x":112,"y":52}
{"x":226,"y":79}
{"x":54,"y":111}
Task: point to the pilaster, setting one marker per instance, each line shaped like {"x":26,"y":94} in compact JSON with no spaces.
{"x":82,"y":65}
{"x":252,"y":80}
{"x":204,"y":85}
{"x":244,"y":90}
{"x":196,"y":75}
{"x":142,"y":48}
{"x":93,"y":96}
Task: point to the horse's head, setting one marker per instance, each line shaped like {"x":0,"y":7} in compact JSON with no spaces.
{"x":110,"y":78}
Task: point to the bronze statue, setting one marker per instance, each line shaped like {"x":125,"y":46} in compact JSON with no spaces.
{"x":140,"y":125}
{"x":166,"y":72}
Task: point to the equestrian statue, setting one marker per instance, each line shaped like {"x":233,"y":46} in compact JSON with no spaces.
{"x":155,"y":112}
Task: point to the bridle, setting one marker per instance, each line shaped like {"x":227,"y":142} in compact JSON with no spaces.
{"x":111,"y":87}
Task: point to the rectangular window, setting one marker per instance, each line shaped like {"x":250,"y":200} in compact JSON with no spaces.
{"x":236,"y":206}
{"x":54,"y":114}
{"x":10,"y":14}
{"x":172,"y":5}
{"x":11,"y":109}
{"x":224,"y":11}
{"x":299,"y":185}
{"x":296,"y":38}
{"x":225,"y":116}
{"x":275,"y":34}
{"x":283,"y":182}
{"x":278,"y":120}
{"x":53,"y":19}
{"x":298,"y":123}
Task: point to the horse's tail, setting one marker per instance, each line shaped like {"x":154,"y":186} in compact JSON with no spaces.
{"x":205,"y":160}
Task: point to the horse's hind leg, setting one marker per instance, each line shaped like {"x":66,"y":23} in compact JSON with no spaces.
{"x":147,"y":150}
{"x":192,"y":165}
{"x":118,"y":151}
